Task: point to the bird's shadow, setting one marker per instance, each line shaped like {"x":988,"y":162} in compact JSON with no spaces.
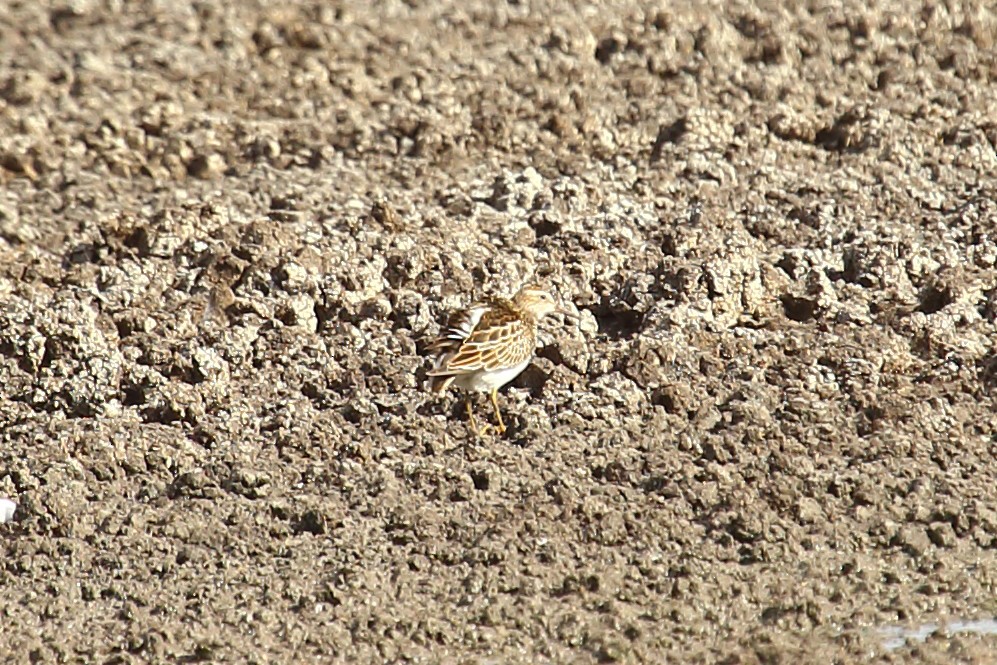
{"x":453,"y":407}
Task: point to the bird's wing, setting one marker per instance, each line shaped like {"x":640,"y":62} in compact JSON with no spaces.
{"x":460,"y":326}
{"x":497,"y":338}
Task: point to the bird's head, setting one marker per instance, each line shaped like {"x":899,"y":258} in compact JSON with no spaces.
{"x":535,"y":300}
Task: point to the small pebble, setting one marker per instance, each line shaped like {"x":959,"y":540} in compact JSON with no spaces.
{"x":7,"y":508}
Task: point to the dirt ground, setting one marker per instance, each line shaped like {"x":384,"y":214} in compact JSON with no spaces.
{"x":764,"y":432}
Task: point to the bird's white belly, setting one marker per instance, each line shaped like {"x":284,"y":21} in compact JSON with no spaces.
{"x":485,"y":381}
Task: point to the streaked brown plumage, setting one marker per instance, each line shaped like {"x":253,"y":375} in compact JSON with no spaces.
{"x":488,"y":344}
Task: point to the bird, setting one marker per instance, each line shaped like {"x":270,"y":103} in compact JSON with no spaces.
{"x":487,"y":345}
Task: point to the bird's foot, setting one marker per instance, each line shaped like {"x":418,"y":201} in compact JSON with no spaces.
{"x":488,"y":429}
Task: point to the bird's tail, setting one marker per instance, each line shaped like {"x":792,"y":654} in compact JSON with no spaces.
{"x":444,"y":349}
{"x":439,"y":384}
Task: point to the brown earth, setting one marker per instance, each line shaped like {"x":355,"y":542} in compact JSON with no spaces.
{"x":764,"y":433}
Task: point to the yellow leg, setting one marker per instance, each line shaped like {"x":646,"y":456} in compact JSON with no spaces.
{"x":498,"y":414}
{"x":474,"y":423}
{"x":470,"y":415}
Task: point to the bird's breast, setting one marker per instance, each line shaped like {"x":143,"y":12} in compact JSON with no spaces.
{"x":488,"y":380}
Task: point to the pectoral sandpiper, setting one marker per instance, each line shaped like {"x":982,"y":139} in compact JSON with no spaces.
{"x":487,"y":345}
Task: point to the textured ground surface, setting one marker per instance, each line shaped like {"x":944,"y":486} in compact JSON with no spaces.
{"x":765,"y":430}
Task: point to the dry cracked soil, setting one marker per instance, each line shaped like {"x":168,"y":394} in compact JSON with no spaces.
{"x":763,"y":431}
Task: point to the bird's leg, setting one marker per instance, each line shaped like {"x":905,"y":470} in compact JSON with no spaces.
{"x":470,"y":414}
{"x":498,"y":413}
{"x":474,"y":423}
